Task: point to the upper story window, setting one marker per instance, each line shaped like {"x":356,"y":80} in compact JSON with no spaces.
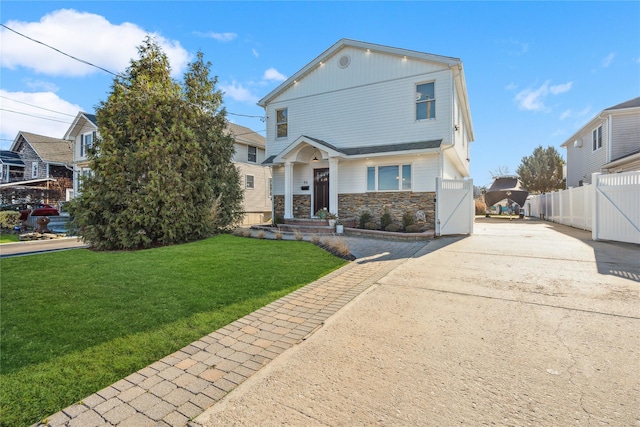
{"x":249,"y":182}
{"x":389,"y":178}
{"x":281,"y":123}
{"x":34,"y":170}
{"x":425,"y":101}
{"x":86,"y":142}
{"x":252,"y":154}
{"x":597,"y":138}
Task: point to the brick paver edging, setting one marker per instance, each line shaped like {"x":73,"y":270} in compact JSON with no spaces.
{"x":181,"y":386}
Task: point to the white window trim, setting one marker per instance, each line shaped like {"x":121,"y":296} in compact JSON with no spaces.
{"x":415,"y":102}
{"x":249,"y":147}
{"x":596,"y":138}
{"x":400,"y":177}
{"x":282,"y":123}
{"x":246,"y":182}
{"x":34,"y":170}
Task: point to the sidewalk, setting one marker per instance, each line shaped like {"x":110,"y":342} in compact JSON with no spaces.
{"x":184,"y":384}
{"x":38,"y":246}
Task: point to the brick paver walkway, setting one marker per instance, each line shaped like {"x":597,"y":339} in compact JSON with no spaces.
{"x":176,"y":389}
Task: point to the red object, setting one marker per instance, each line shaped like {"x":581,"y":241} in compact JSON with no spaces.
{"x":40,"y":209}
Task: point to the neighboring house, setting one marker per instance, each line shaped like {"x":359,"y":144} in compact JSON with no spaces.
{"x":11,"y":167}
{"x":608,"y":143}
{"x":47,"y":164}
{"x":255,"y":178}
{"x":82,"y":133}
{"x":365,"y":127}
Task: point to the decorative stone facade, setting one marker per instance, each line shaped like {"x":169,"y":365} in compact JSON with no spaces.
{"x":301,"y":206}
{"x":397,"y":204}
{"x":353,"y":205}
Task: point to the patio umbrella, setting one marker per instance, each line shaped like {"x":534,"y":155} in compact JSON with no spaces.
{"x":501,"y":186}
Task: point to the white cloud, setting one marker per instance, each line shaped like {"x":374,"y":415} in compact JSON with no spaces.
{"x":221,"y":37}
{"x":511,"y":86}
{"x":558,"y":89}
{"x":237,"y":92}
{"x":533,"y":99}
{"x":17,"y":116}
{"x":273,"y":75}
{"x":575,"y":114}
{"x":84,"y":35}
{"x":607,"y":60}
{"x":255,"y":53}
{"x":41,"y":85}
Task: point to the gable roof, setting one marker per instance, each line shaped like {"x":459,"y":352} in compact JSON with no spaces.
{"x":630,"y":104}
{"x":79,"y":122}
{"x":10,"y":158}
{"x":353,"y":151}
{"x":449,"y":61}
{"x":50,"y":150}
{"x":245,"y":135}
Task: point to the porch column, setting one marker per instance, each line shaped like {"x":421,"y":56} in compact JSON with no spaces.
{"x":288,"y":190}
{"x":333,"y":185}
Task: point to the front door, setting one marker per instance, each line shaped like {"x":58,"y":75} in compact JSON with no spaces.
{"x":320,"y":189}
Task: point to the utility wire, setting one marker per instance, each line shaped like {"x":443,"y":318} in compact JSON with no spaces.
{"x":33,"y":115}
{"x":98,"y":67}
{"x":35,"y":106}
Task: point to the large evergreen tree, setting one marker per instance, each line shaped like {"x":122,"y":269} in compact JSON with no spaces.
{"x":162,"y":163}
{"x":541,"y":172}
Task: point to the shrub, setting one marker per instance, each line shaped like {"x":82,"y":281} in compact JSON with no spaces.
{"x":297,"y":235}
{"x":413,"y":228}
{"x":338,"y":246}
{"x":278,"y":219}
{"x":365,"y":217}
{"x":9,"y":219}
{"x":260,"y":234}
{"x":481,"y":207}
{"x":392,"y":227}
{"x":385,"y":220}
{"x":407,"y":219}
{"x":278,"y":235}
{"x":371,"y":225}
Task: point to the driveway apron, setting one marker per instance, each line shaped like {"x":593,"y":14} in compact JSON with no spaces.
{"x":522,"y":323}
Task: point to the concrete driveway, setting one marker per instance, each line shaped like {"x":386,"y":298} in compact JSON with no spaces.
{"x":523,"y":323}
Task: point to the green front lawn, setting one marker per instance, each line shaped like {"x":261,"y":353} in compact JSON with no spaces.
{"x":74,"y":322}
{"x":8,"y":238}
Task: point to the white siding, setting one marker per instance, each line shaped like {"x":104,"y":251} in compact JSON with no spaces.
{"x":583,"y":161}
{"x":625,"y":134}
{"x":363,"y":104}
{"x":256,"y":199}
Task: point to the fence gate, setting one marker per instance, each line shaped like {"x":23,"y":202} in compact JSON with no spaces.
{"x":454,"y":206}
{"x":616,"y":215}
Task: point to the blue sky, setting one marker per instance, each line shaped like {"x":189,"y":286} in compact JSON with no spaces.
{"x":536,"y":71}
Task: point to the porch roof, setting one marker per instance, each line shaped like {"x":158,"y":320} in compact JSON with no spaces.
{"x":354,"y":151}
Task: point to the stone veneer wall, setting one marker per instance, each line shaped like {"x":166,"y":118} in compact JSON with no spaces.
{"x":301,"y":206}
{"x":353,"y":205}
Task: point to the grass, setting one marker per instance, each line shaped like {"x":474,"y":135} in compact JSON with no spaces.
{"x":8,"y":238}
{"x":74,"y":322}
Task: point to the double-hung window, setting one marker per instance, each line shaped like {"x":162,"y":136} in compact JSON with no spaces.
{"x":252,"y":154}
{"x":389,"y":178}
{"x":86,"y":142}
{"x":34,"y":170}
{"x":249,"y":182}
{"x":425,"y":101}
{"x":597,"y":138}
{"x":282,"y":123}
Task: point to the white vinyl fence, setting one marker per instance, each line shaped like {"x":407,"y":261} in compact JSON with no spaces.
{"x":609,"y":208}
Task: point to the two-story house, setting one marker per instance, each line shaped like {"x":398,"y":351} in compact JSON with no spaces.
{"x":608,"y":143}
{"x":249,"y":154}
{"x":82,"y":133}
{"x":365,"y":127}
{"x":255,"y":178}
{"x":47,"y":164}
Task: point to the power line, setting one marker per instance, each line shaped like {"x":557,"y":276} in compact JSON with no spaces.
{"x":35,"y":106}
{"x":33,"y":115}
{"x":98,"y":67}
{"x":61,"y":52}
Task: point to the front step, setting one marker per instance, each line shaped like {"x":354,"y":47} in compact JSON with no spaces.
{"x":305,"y":228}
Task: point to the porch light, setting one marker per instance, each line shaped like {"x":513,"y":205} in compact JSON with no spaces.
{"x":315,"y":159}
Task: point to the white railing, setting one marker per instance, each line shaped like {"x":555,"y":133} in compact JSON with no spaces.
{"x":610,"y":208}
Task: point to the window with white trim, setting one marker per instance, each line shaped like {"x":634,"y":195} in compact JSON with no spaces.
{"x":252,"y":154}
{"x":389,"y":178}
{"x":270,"y":187}
{"x":425,"y":101}
{"x":282,"y":123}
{"x":34,"y":170}
{"x":597,"y":138}
{"x":249,"y":181}
{"x":86,"y":142}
